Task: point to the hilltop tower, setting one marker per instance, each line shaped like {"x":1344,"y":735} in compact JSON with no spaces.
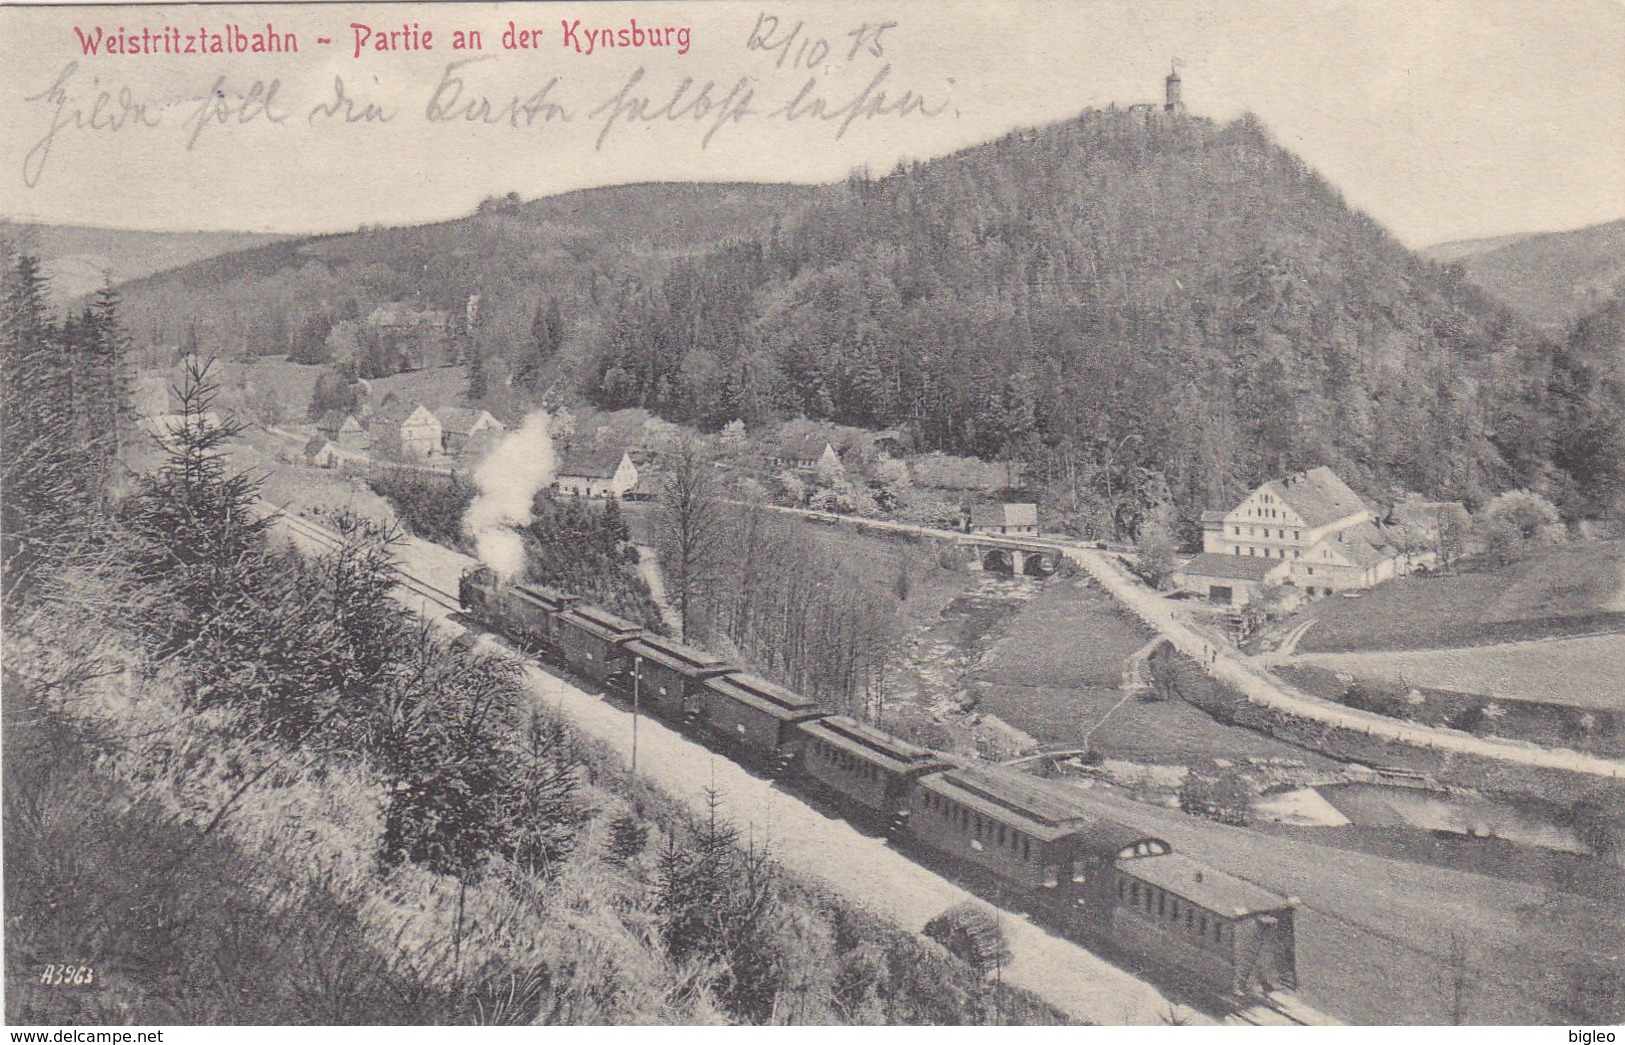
{"x":1173,"y":106}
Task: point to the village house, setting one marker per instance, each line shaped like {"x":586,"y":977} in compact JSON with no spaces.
{"x":461,"y":425}
{"x":422,"y":337}
{"x":398,"y":317}
{"x":597,"y":473}
{"x":804,"y":446}
{"x":344,"y":429}
{"x":408,"y":430}
{"x":325,"y":453}
{"x":1309,"y":530}
{"x":1003,"y":518}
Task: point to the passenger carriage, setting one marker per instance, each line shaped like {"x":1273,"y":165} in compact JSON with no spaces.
{"x":1092,"y":876}
{"x":1231,"y":935}
{"x":865,"y":766}
{"x":1003,"y":821}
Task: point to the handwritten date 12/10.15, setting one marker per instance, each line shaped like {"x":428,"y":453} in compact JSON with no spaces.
{"x":808,"y":51}
{"x":67,"y":975}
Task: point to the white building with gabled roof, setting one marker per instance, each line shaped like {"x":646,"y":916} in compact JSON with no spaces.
{"x":1317,"y":533}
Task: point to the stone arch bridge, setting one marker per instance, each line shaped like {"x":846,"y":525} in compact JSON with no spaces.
{"x":1010,"y":554}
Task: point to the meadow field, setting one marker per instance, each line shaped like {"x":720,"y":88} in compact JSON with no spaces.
{"x":1586,"y":672}
{"x":1571,"y":589}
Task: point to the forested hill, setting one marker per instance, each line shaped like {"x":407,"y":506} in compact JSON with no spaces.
{"x":1136,"y":312}
{"x":1551,"y":278}
{"x":1115,"y":305}
{"x":515,"y":255}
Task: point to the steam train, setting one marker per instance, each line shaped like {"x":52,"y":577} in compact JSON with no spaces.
{"x":1092,"y":877}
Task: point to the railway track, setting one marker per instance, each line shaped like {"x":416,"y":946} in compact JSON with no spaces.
{"x":325,"y":538}
{"x":1269,"y":1012}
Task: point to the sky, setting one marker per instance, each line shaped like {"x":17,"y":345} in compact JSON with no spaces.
{"x":1443,"y":120}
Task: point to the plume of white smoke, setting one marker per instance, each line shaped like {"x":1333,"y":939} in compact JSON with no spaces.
{"x":517,"y":468}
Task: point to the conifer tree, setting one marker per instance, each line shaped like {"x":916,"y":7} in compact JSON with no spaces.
{"x":40,"y":468}
{"x":196,"y":525}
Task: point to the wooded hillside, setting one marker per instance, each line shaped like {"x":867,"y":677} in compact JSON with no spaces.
{"x":1143,"y":315}
{"x":1117,"y":305}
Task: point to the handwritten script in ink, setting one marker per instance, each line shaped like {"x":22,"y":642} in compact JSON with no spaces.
{"x":512,"y":76}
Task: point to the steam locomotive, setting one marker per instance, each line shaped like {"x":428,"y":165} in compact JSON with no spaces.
{"x":1094,"y":878}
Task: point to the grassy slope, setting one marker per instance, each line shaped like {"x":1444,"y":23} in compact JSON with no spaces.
{"x":1564,"y":590}
{"x":1587,"y":672}
{"x":1056,"y":671}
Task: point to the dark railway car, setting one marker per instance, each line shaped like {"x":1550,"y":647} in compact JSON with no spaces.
{"x":525,"y":612}
{"x":670,"y":675}
{"x":1000,"y":820}
{"x":538,"y":608}
{"x":592,"y":642}
{"x":1093,"y":876}
{"x":761,"y":716}
{"x":868,"y":767}
{"x":1230,"y":934}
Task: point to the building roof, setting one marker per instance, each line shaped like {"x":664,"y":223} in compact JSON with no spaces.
{"x":1004,"y":515}
{"x":802,"y":439}
{"x":1318,"y":496}
{"x":550,"y":599}
{"x":317,"y":444}
{"x":592,"y":464}
{"x":399,"y":411}
{"x":1221,"y":893}
{"x":873,"y":745}
{"x":1363,"y":544}
{"x":764,"y":695}
{"x":808,"y":446}
{"x":1231,"y":567}
{"x":1214,"y":516}
{"x":331,"y":421}
{"x":462,"y":420}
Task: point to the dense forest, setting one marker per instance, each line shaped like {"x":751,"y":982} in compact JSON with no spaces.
{"x":1177,"y":310}
{"x":1143,"y":316}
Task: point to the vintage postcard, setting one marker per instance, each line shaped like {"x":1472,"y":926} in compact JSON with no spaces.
{"x":774,"y":512}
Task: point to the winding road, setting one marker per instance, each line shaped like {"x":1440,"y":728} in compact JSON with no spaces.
{"x":1225,"y":663}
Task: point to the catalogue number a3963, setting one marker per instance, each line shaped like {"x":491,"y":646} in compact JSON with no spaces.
{"x":67,"y":975}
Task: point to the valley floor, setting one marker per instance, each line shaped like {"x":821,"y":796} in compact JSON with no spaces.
{"x":1587,"y":672}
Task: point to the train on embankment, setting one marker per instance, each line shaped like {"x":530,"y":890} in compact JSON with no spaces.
{"x":1091,"y":877}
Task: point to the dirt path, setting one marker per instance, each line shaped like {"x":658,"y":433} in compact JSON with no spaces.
{"x":649,"y":570}
{"x":865,"y":870}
